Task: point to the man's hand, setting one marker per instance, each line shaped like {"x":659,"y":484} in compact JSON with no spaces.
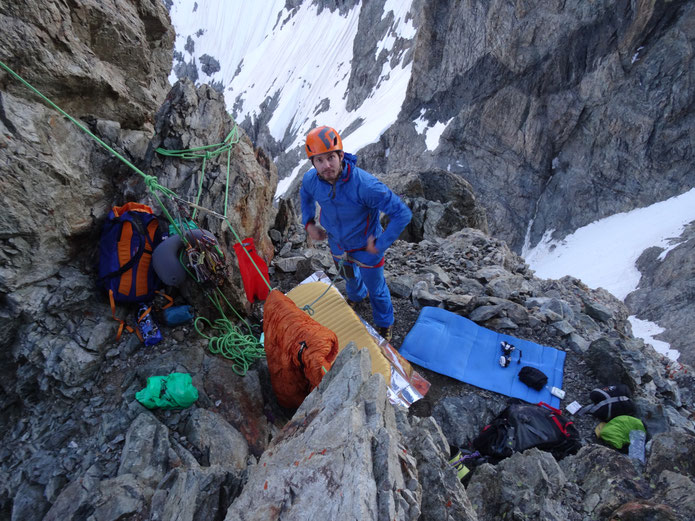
{"x":316,"y":233}
{"x":371,"y":248}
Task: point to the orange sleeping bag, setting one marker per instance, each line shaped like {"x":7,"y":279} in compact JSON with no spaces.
{"x":297,"y":348}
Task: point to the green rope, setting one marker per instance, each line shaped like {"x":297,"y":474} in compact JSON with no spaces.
{"x":226,"y":186}
{"x":341,"y":273}
{"x":242,"y":349}
{"x":207,"y":152}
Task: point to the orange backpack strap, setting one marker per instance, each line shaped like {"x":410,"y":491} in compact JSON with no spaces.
{"x":141,"y":285}
{"x":124,"y":257}
{"x":122,"y":323}
{"x":170,"y":301}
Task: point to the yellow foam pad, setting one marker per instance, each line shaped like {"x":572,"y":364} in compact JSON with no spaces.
{"x":332,"y":311}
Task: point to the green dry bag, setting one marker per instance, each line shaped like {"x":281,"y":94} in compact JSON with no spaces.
{"x":175,"y":391}
{"x":617,"y":431}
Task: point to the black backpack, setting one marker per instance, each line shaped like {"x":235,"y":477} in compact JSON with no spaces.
{"x":609,"y":402}
{"x":522,"y":426}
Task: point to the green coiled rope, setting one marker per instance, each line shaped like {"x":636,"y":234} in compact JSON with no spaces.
{"x":207,"y":152}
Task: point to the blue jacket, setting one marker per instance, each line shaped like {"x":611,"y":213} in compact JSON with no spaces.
{"x":350,"y":211}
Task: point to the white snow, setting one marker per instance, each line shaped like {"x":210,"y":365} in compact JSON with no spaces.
{"x":603,"y":253}
{"x":299,"y":58}
{"x":646,"y":331}
{"x":230,"y":29}
{"x":432,"y":133}
{"x":420,"y":123}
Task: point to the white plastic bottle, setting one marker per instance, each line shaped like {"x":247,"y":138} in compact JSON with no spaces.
{"x":637,"y":441}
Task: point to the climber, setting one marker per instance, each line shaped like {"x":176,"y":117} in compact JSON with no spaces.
{"x":351,"y":199}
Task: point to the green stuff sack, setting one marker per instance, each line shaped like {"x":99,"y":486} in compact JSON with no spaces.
{"x":617,"y":431}
{"x":175,"y":391}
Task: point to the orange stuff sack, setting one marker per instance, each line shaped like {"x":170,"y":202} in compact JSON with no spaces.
{"x":297,"y":349}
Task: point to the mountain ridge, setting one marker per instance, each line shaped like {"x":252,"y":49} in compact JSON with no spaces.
{"x":78,"y":445}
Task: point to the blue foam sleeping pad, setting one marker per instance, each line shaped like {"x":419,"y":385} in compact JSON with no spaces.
{"x":450,"y":344}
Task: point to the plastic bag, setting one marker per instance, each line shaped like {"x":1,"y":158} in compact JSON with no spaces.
{"x":175,"y":391}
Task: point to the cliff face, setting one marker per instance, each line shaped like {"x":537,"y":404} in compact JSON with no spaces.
{"x":553,"y":102}
{"x":77,"y":445}
{"x":108,"y":60}
{"x":106,"y":63}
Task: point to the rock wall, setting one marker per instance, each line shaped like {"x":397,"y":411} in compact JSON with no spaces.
{"x":105,"y":63}
{"x":549,"y":102}
{"x":105,"y":59}
{"x":666,"y":293}
{"x":232,"y":173}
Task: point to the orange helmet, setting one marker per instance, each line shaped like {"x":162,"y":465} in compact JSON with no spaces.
{"x":321,"y":140}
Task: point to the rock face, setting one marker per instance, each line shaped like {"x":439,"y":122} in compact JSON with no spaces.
{"x":665,"y":293}
{"x":343,"y":435}
{"x":104,"y":62}
{"x":346,"y":451}
{"x":107,"y":60}
{"x":545,"y":102}
{"x":225,"y":169}
{"x":442,"y":203}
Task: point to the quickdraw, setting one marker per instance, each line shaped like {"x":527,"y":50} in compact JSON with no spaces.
{"x":205,"y":259}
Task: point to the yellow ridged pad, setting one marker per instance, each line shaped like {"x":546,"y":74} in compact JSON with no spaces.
{"x":333,"y":311}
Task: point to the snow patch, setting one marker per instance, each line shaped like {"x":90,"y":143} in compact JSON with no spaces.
{"x":432,"y":132}
{"x":296,"y":58}
{"x":603,"y":253}
{"x":647,"y":331}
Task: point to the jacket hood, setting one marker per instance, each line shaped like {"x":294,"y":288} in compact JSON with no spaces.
{"x":350,"y":162}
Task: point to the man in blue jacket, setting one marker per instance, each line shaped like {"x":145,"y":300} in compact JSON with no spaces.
{"x":351,"y":199}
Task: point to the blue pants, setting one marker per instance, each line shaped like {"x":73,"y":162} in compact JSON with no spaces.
{"x":371,"y":281}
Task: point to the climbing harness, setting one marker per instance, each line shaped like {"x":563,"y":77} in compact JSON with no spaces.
{"x":342,"y":263}
{"x":345,"y":258}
